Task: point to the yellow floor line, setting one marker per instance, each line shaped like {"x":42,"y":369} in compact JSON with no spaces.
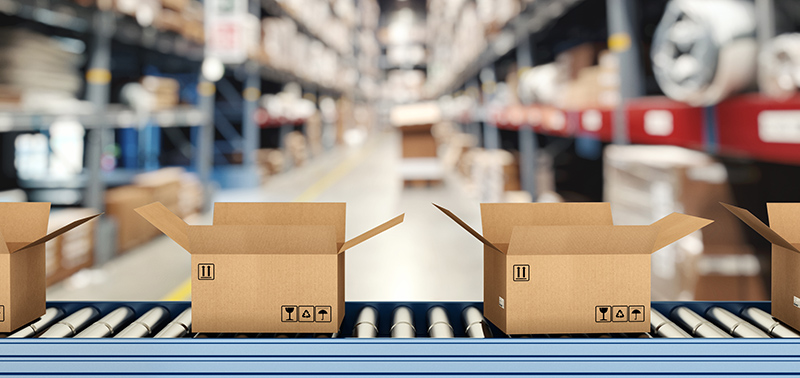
{"x":184,"y":291}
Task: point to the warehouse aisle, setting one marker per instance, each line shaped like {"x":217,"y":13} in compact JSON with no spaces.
{"x":427,"y":257}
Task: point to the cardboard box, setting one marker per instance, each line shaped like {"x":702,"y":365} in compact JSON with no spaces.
{"x":132,"y":230}
{"x":266,"y":267}
{"x":785,"y":221}
{"x":565,"y":268}
{"x":23,"y":232}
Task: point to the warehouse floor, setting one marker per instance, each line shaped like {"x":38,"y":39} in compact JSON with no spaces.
{"x":428,"y":257}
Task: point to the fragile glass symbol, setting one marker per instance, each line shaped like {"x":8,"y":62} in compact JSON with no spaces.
{"x":603,"y":311}
{"x":290,"y":310}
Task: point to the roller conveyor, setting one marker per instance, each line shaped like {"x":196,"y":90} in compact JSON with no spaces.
{"x":411,"y":338}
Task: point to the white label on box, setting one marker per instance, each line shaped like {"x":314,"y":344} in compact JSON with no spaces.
{"x":796,"y":302}
{"x":503,"y":303}
{"x":779,"y":126}
{"x":658,"y":122}
{"x":592,"y":120}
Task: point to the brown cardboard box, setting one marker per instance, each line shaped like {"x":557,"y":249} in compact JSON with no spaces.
{"x":564,"y":268}
{"x":23,"y":232}
{"x":418,"y":141}
{"x":132,"y":230}
{"x":259,"y":259}
{"x":785,"y":223}
{"x":72,"y":251}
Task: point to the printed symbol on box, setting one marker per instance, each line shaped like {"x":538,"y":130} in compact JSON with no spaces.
{"x":2,"y":314}
{"x":288,"y":313}
{"x":620,"y":313}
{"x":322,"y":314}
{"x":636,"y":314}
{"x":601,"y":314}
{"x":205,"y":271}
{"x":521,"y":272}
{"x":305,"y":313}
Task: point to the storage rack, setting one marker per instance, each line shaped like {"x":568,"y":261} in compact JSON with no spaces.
{"x":424,"y":356}
{"x":730,"y":129}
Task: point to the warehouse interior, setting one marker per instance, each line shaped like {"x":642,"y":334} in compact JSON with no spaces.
{"x":391,"y":106}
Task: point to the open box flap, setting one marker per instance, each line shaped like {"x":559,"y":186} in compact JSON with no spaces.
{"x":167,"y":222}
{"x":582,"y":240}
{"x":262,"y":239}
{"x":283,"y":214}
{"x":4,"y":249}
{"x":56,"y":233}
{"x":758,"y":226}
{"x":675,"y":226}
{"x":375,"y":231}
{"x":23,"y":222}
{"x":499,"y":219}
{"x":469,"y":229}
{"x":784,"y":219}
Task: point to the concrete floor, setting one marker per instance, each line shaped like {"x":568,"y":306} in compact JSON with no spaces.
{"x":427,"y":258}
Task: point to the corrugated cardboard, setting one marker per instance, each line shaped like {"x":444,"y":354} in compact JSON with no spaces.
{"x":784,"y":234}
{"x":23,"y":232}
{"x":565,"y":268}
{"x":259,"y":259}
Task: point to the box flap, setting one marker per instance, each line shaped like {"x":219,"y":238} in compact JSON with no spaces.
{"x":499,"y":219}
{"x":283,"y":214}
{"x":261,"y":239}
{"x":784,"y":219}
{"x":55,"y":233}
{"x":469,"y":229}
{"x":758,"y":226}
{"x":23,"y":222}
{"x":167,"y":222}
{"x":582,"y":240}
{"x":3,"y":247}
{"x":375,"y":231}
{"x":675,"y":226}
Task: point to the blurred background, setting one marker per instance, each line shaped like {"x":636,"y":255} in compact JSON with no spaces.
{"x":389,"y":105}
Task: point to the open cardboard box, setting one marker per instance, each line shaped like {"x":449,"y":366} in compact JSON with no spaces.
{"x":784,"y":234}
{"x":565,"y":268}
{"x":23,"y":232}
{"x":266,"y":267}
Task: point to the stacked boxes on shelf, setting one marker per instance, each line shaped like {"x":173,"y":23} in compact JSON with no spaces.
{"x":643,"y":183}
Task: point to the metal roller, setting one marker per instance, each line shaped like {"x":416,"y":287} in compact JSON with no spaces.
{"x":438,"y":323}
{"x":108,"y":324}
{"x":703,"y":51}
{"x":178,"y":327}
{"x":366,"y":323}
{"x":474,"y":323}
{"x":403,"y":323}
{"x":766,"y":322}
{"x":146,"y":323}
{"x":50,"y":316}
{"x":697,"y":325}
{"x":72,"y":324}
{"x":663,"y":327}
{"x":735,"y":325}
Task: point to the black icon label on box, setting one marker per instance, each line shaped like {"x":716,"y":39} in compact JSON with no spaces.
{"x":602,"y":314}
{"x":619,"y":313}
{"x":205,"y":271}
{"x":288,"y":313}
{"x":322,"y":314}
{"x":636,"y":313}
{"x":307,"y":314}
{"x":2,"y":314}
{"x":521,"y":272}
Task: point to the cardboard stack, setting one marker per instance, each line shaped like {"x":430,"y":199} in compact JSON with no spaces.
{"x":23,"y":234}
{"x":164,"y":91}
{"x":162,"y":185}
{"x":419,"y":147}
{"x":70,"y":252}
{"x":644,"y":183}
{"x":132,"y":230}
{"x":565,"y":268}
{"x":266,"y":267}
